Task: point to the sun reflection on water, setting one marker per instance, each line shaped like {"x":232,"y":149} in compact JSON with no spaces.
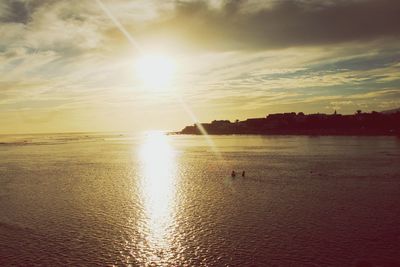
{"x":158,"y":185}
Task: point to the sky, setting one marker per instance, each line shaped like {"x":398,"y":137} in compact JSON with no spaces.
{"x":68,"y":66}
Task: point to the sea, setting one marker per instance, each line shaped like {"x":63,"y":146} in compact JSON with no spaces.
{"x":152,"y":199}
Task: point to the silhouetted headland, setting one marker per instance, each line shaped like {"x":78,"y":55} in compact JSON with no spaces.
{"x":360,"y":123}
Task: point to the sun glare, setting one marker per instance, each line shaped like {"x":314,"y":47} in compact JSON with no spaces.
{"x":158,"y":186}
{"x":155,"y":71}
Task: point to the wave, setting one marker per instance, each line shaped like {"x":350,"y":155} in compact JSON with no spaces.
{"x":54,"y":139}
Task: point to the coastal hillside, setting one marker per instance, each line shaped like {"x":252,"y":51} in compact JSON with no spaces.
{"x":360,"y":123}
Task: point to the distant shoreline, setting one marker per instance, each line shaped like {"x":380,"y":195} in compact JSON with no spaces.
{"x":286,"y":134}
{"x":359,"y":124}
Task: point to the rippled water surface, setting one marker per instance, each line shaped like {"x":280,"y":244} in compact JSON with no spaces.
{"x":87,"y":200}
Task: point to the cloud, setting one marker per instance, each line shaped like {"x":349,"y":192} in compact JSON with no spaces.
{"x":13,"y":11}
{"x":261,"y":56}
{"x":228,"y":25}
{"x":280,"y":24}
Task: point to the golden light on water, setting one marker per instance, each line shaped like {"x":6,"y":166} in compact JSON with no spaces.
{"x":158,"y":186}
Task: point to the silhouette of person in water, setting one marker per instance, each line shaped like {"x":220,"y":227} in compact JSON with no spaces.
{"x":243,"y":173}
{"x":233,"y":174}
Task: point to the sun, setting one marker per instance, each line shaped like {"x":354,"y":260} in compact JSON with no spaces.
{"x":155,"y":71}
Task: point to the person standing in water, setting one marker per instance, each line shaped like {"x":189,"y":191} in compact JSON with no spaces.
{"x":233,"y":174}
{"x":243,"y":173}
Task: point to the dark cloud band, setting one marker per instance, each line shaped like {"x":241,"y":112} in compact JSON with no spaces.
{"x":283,"y":23}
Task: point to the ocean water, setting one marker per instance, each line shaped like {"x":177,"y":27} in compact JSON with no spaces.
{"x":157,"y":200}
